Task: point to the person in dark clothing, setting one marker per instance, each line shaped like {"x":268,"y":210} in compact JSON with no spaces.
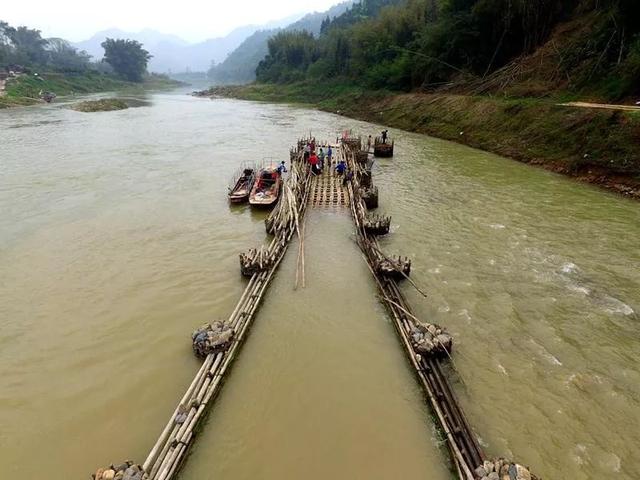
{"x":384,"y":136}
{"x":341,"y":167}
{"x":281,"y":168}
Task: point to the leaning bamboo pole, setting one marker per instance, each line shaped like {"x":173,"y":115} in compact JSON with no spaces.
{"x":468,"y":458}
{"x":169,"y":451}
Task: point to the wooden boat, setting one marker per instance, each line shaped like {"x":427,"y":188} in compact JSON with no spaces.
{"x":242,"y":188}
{"x":383,"y":149}
{"x":266,"y":188}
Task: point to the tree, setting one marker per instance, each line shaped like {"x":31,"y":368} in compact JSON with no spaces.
{"x":127,"y":57}
{"x":26,"y":45}
{"x":65,"y":58}
{"x":6,"y":46}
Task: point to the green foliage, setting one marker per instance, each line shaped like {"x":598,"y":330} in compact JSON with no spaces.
{"x":29,"y":86}
{"x":290,"y":54}
{"x":411,"y":44}
{"x":24,"y":46}
{"x":531,"y":130}
{"x":240,"y":66}
{"x":127,"y":57}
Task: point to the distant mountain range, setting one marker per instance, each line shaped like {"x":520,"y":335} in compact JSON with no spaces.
{"x":232,"y":58}
{"x":173,"y":54}
{"x":240,"y":65}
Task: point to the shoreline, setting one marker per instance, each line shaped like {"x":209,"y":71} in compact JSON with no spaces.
{"x":595,"y":146}
{"x":23,"y":91}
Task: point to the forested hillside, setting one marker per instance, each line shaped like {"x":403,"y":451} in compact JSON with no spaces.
{"x":240,"y":65}
{"x":533,"y":46}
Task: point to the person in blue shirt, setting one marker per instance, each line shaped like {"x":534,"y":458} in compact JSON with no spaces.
{"x":341,"y":167}
{"x":281,"y":168}
{"x":329,"y":154}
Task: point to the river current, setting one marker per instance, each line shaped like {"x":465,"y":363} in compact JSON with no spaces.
{"x":116,"y":241}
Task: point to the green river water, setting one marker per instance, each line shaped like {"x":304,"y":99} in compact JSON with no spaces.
{"x":116,"y":241}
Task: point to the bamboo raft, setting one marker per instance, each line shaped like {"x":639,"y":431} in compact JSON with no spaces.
{"x":219,"y":343}
{"x":427,"y":346}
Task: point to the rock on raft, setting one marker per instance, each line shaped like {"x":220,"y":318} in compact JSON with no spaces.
{"x":501,"y":469}
{"x":125,"y":471}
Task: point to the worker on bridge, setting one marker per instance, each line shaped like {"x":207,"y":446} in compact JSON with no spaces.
{"x":384,"y":136}
{"x":313,"y":160}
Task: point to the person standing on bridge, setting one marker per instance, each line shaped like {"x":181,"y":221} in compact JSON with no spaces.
{"x":321,"y":159}
{"x":384,"y":136}
{"x":282,"y":168}
{"x":307,"y":152}
{"x":369,"y":143}
{"x":329,"y":154}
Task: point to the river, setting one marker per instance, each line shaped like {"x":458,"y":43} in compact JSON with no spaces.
{"x":116,"y":241}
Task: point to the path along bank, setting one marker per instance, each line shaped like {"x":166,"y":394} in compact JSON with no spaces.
{"x":597,"y":146}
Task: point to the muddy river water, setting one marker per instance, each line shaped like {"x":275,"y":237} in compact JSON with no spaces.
{"x":116,"y":241}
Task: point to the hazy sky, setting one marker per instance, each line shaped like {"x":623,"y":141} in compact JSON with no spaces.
{"x":192,"y":20}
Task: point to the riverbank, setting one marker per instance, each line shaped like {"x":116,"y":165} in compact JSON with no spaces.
{"x":597,"y":146}
{"x":25,"y":89}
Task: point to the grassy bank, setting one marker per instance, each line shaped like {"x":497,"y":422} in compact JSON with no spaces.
{"x":597,"y":146}
{"x":25,"y":90}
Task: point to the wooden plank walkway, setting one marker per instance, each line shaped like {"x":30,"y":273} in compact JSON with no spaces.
{"x":328,"y":188}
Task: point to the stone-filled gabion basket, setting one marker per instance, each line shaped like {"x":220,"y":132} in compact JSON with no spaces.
{"x":501,"y":469}
{"x":212,"y":338}
{"x":125,"y":471}
{"x":428,"y":339}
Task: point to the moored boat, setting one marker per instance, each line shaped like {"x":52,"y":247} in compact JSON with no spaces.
{"x":242,"y":188}
{"x":266,"y":188}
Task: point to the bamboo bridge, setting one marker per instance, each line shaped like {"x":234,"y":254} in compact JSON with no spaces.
{"x":427,"y":346}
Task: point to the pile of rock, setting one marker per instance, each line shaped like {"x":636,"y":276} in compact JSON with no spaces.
{"x":362,"y":156}
{"x":394,"y":268}
{"x":370,"y":196}
{"x":125,"y":471}
{"x":428,"y":339}
{"x":502,"y":469}
{"x":377,"y":224}
{"x":258,"y":260}
{"x":212,"y":338}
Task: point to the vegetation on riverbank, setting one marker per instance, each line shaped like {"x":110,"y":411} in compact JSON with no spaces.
{"x":597,"y":146}
{"x":25,"y":89}
{"x":488,"y":73}
{"x":583,"y":46}
{"x":103,"y":105}
{"x":31,"y":65}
